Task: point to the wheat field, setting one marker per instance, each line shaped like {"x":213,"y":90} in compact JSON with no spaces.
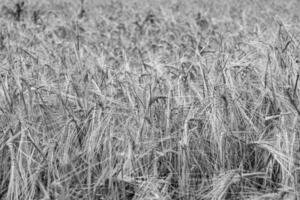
{"x":149,"y":100}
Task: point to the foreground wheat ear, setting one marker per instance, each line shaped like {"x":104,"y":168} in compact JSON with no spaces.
{"x":149,"y":100}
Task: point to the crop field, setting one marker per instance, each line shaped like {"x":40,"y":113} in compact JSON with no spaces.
{"x":149,"y":100}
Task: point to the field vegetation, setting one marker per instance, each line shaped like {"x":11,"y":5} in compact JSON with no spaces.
{"x":149,"y":100}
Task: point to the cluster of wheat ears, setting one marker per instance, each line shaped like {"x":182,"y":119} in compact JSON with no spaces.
{"x":140,"y":100}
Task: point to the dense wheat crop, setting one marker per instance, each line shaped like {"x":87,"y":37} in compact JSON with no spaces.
{"x":160,"y":100}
